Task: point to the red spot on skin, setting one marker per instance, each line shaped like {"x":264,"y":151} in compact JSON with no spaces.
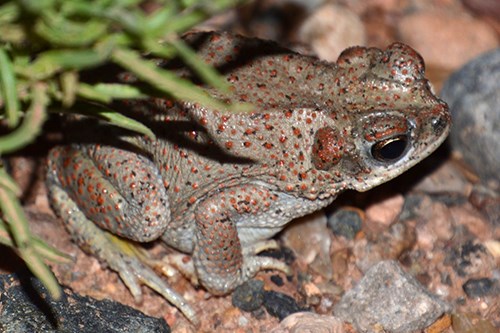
{"x":296,"y":131}
{"x":177,"y":189}
{"x":328,"y":148}
{"x":247,"y":144}
{"x":229,"y":144}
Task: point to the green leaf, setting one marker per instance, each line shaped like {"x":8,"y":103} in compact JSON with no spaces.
{"x":54,"y":61}
{"x":31,"y":125}
{"x":106,"y":92}
{"x":8,"y":89}
{"x":163,"y":80}
{"x":9,"y":12}
{"x":208,"y":74}
{"x":60,"y":31}
{"x":115,"y":118}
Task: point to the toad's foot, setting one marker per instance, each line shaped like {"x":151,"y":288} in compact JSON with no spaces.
{"x":250,"y":252}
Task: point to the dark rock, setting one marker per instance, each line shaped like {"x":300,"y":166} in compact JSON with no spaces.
{"x":410,"y":207}
{"x":277,"y":280}
{"x":249,"y":296}
{"x":280,"y":305}
{"x":345,"y":222}
{"x":390,"y":299}
{"x":479,"y":287}
{"x":26,"y":306}
{"x":473,"y":94}
{"x":466,"y":257}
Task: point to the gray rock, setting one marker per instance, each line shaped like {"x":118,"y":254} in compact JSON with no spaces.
{"x":473,"y":94}
{"x":345,"y":222}
{"x":26,"y":306}
{"x":249,"y":296}
{"x":390,"y":299}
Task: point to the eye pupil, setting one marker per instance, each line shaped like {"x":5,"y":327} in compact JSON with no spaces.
{"x":390,"y":149}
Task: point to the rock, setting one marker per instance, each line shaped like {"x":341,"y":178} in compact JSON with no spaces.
{"x":445,"y":39}
{"x":468,"y":259}
{"x":308,"y":322}
{"x":280,"y":305}
{"x":473,"y":94}
{"x":345,"y":222}
{"x":479,"y":287}
{"x":471,"y":323}
{"x":249,"y":296}
{"x":386,"y":211}
{"x":389,"y":244}
{"x":331,"y":29}
{"x":387,"y":298}
{"x":487,"y":202}
{"x":435,"y":225}
{"x":27,"y":307}
{"x":446,"y":178}
{"x":484,"y":7}
{"x":309,"y":238}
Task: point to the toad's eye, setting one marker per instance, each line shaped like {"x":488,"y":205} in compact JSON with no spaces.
{"x":391,"y":149}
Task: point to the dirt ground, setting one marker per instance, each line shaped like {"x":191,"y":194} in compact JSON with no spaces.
{"x":449,"y":235}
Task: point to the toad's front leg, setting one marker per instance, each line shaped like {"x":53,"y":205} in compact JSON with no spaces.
{"x":222,"y":259}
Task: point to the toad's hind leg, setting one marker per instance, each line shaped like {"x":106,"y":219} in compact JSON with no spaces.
{"x":69,"y":171}
{"x":220,"y":260}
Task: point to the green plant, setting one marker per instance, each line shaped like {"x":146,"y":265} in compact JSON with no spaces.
{"x":45,"y":44}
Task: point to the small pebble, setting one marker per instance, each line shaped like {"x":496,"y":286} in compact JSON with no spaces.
{"x":466,"y":258}
{"x":331,"y":29}
{"x":411,"y":207}
{"x":479,"y":287}
{"x":280,"y":305}
{"x":308,"y":322}
{"x":471,"y":323}
{"x":309,"y":238}
{"x":345,"y":222}
{"x":385,"y":211}
{"x":277,"y":280}
{"x":249,"y":296}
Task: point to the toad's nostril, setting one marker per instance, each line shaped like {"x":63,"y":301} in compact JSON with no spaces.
{"x":438,"y":124}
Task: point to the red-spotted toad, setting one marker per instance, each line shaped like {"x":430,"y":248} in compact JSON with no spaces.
{"x":219,"y":185}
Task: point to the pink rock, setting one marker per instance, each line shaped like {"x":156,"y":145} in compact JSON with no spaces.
{"x":331,"y":29}
{"x":386,"y":211}
{"x":446,"y":40}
